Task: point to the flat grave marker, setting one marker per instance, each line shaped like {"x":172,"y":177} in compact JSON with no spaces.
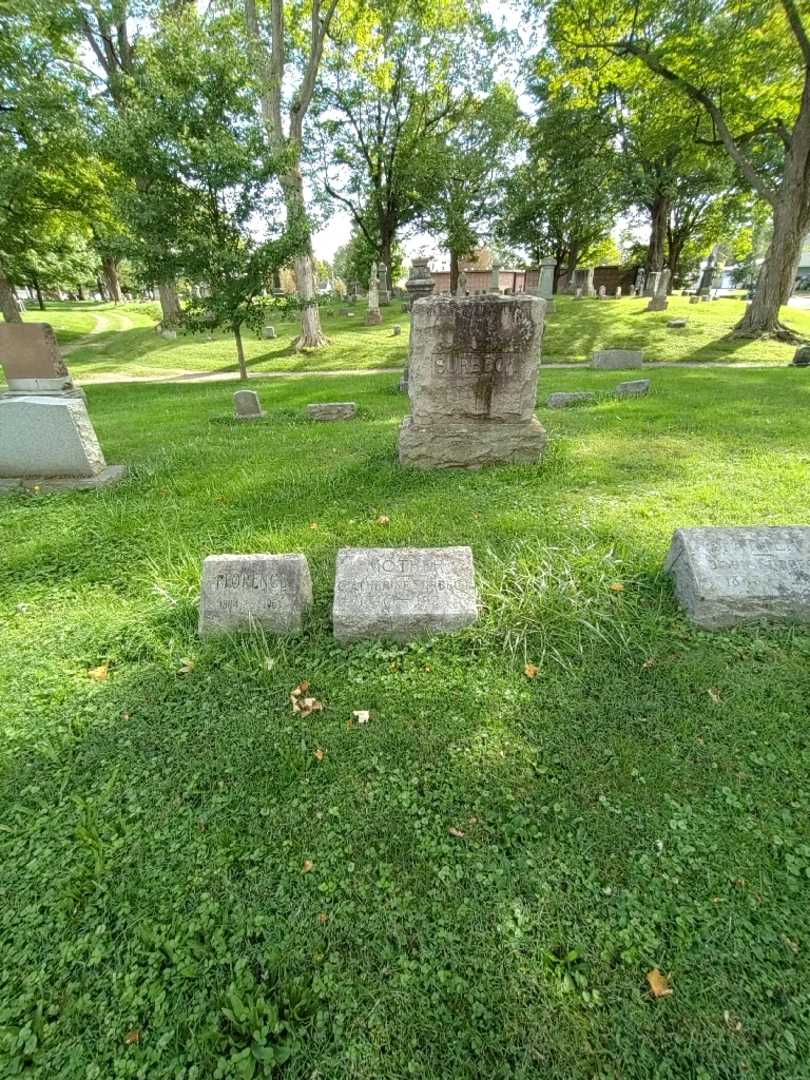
{"x":241,"y":591}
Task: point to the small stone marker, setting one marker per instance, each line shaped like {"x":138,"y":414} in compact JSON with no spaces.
{"x":602,"y":294}
{"x":247,"y":406}
{"x":270,"y":332}
{"x":676,"y":324}
{"x":332,"y":410}
{"x":618,"y":293}
{"x":397,"y":330}
{"x":403,"y":593}
{"x":801,"y":358}
{"x":562,"y":400}
{"x":633,"y":388}
{"x":240,"y":591}
{"x":659,"y":301}
{"x":728,"y":576}
{"x":614,"y":359}
{"x":169,"y":335}
{"x":694,"y":299}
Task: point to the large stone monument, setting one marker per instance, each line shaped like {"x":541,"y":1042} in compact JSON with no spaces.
{"x":242,"y":591}
{"x":420,"y":281}
{"x":659,"y":302}
{"x":373,"y":316}
{"x":651,"y":283}
{"x":384,"y":291}
{"x":403,"y":593}
{"x":473,"y":382}
{"x":47,"y":439}
{"x":727,"y":576}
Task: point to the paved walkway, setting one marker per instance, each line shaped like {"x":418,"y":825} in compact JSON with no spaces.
{"x":179,"y":377}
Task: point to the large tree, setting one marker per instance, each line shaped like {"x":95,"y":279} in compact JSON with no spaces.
{"x":389,"y":106}
{"x":747,"y":67}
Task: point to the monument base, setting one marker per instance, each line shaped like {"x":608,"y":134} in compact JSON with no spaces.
{"x":468,"y":444}
{"x":106,"y":478}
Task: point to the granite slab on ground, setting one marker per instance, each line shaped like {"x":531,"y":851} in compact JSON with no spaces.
{"x":238,"y":592}
{"x":403,"y":593}
{"x":332,"y":410}
{"x":615,"y":359}
{"x":730,"y":576}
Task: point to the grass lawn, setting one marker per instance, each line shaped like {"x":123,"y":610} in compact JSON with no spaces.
{"x":104,"y":340}
{"x":187,"y":887}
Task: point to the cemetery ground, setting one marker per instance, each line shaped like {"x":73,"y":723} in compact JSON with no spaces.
{"x":576,"y":804}
{"x":108,"y":342}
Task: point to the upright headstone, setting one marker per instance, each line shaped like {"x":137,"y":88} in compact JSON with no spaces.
{"x":618,"y":293}
{"x":640,"y":282}
{"x":373,"y":316}
{"x":659,"y":302}
{"x":578,"y":294}
{"x":728,"y":576}
{"x":707,"y":276}
{"x":397,"y":330}
{"x":495,"y":278}
{"x":403,"y":593}
{"x":246,"y":405}
{"x":269,"y":333}
{"x":473,"y":382}
{"x":651,"y":283}
{"x":238,"y":592}
{"x":420,"y":281}
{"x":545,"y":287}
{"x":46,"y":436}
{"x":694,"y":299}
{"x":384,"y":294}
{"x":602,"y":292}
{"x":461,"y":286}
{"x":587,"y":281}
{"x":801,"y":358}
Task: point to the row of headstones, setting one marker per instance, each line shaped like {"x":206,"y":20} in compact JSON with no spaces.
{"x":723,"y":577}
{"x":247,"y":406}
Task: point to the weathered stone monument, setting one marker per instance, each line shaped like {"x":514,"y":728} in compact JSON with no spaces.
{"x":373,"y":316}
{"x":651,"y":283}
{"x":246,"y":405}
{"x":332,"y":410}
{"x":420,"y":281}
{"x":396,"y":329}
{"x":384,"y":293}
{"x":578,"y":293}
{"x":614,"y":359}
{"x":495,"y":278}
{"x":676,"y":324}
{"x":269,"y":333}
{"x":273,"y":592}
{"x":47,"y":439}
{"x":602,"y":292}
{"x":461,"y":286}
{"x":473,"y":382}
{"x":639,"y":283}
{"x":728,"y":576}
{"x":545,"y":286}
{"x":633,"y":388}
{"x":659,"y":302}
{"x":403,"y":593}
{"x":801,"y":358}
{"x":583,"y":280}
{"x":694,"y":299}
{"x":618,"y":293}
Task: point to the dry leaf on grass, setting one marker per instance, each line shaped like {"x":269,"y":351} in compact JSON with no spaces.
{"x":308,"y":866}
{"x":187,"y":665}
{"x":100,"y":673}
{"x":456,"y":832}
{"x":313,"y":524}
{"x":319,"y":754}
{"x":323,"y":918}
{"x":531,"y":671}
{"x":301,"y":704}
{"x":383,"y":520}
{"x":617,"y":587}
{"x":648,"y":663}
{"x":361,"y":716}
{"x":714,"y":694}
{"x":132,"y":1037}
{"x":659,"y":984}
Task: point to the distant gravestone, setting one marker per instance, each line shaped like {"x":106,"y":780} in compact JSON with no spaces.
{"x":563,"y":400}
{"x":373,"y":315}
{"x":602,"y":292}
{"x":801,"y":358}
{"x":270,"y":332}
{"x":676,"y":324}
{"x":403,"y":593}
{"x":615,"y":359}
{"x":659,"y":302}
{"x":694,"y":299}
{"x":240,"y":591}
{"x":473,"y":382}
{"x":633,"y":388}
{"x":728,"y":576}
{"x":618,"y":293}
{"x":246,"y":405}
{"x":332,"y":410}
{"x":578,"y":294}
{"x":397,"y":330}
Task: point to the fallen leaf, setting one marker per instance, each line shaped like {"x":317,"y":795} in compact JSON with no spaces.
{"x":456,"y":832}
{"x":659,"y":984}
{"x":308,"y":866}
{"x":187,"y":665}
{"x":531,"y":671}
{"x":125,"y":716}
{"x":714,"y":694}
{"x":313,"y":524}
{"x":383,"y":520}
{"x":319,"y":754}
{"x":650,"y":662}
{"x":132,"y":1037}
{"x":323,"y":918}
{"x":100,"y":673}
{"x":617,"y":587}
{"x":361,"y":716}
{"x":304,"y":705}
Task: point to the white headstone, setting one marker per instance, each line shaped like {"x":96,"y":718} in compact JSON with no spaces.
{"x":273,"y":592}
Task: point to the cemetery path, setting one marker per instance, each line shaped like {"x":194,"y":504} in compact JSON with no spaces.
{"x":230,"y":376}
{"x":109,"y":322}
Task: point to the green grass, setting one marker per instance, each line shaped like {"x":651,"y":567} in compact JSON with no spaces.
{"x":642,"y":803}
{"x":124,"y":342}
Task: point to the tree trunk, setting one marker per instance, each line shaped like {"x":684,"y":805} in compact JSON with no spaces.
{"x":38,"y":291}
{"x":791,"y":220}
{"x":659,"y":213}
{"x":453,"y":272}
{"x":110,"y":269}
{"x":80,"y":293}
{"x":8,"y":302}
{"x":100,"y":288}
{"x":240,"y":352}
{"x":311,"y":336}
{"x":169,"y":304}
